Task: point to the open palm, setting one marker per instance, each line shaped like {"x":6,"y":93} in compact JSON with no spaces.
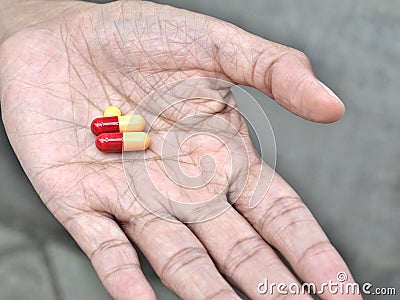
{"x":172,"y":200}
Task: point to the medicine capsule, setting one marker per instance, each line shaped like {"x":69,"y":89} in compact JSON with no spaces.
{"x":123,"y":141}
{"x":112,"y":111}
{"x":118,"y":124}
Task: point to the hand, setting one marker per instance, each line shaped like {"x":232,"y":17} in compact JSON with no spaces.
{"x":61,"y":71}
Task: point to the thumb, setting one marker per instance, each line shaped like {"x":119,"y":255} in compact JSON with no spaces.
{"x":283,"y":73}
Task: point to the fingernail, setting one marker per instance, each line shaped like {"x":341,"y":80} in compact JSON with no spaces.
{"x":330,"y":92}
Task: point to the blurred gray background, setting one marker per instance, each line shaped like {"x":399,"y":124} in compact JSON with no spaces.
{"x":348,"y":173}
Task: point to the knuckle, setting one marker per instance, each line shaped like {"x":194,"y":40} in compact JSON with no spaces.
{"x":127,"y":260}
{"x":313,"y":250}
{"x":282,"y":211}
{"x":107,"y":246}
{"x":71,"y":216}
{"x":291,"y":56}
{"x":301,"y":55}
{"x":296,"y":56}
{"x":241,"y":252}
{"x":145,"y":220}
{"x":184,"y":258}
{"x":260,"y":64}
{"x":113,"y":272}
{"x":278,"y":62}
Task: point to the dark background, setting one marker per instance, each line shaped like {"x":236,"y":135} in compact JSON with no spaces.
{"x":348,"y":173}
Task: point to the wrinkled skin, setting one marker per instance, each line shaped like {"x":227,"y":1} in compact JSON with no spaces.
{"x":60,"y":73}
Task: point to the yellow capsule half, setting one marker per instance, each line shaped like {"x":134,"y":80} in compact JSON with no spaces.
{"x":112,"y":111}
{"x":131,"y":123}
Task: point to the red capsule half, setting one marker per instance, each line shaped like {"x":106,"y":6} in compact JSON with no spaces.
{"x":118,"y":124}
{"x":117,"y":142}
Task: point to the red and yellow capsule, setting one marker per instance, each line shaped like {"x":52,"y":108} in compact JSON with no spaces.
{"x":122,"y":141}
{"x":134,"y":123}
